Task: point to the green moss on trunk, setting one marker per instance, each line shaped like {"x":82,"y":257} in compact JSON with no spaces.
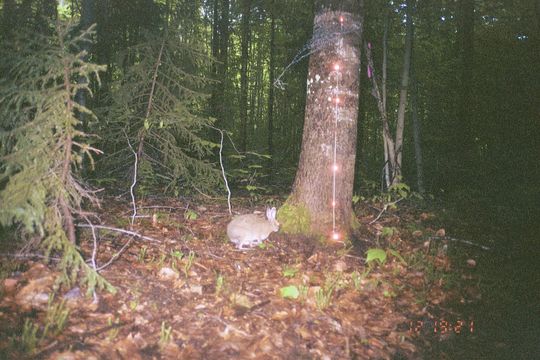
{"x":294,"y":219}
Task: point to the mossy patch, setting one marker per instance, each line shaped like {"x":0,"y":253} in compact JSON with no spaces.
{"x":294,"y":219}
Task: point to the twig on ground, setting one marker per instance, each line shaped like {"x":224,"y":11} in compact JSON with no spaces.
{"x":116,"y":255}
{"x":459,"y":240}
{"x":384,"y":209}
{"x":127,"y":232}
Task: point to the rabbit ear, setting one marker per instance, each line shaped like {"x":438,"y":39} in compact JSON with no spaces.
{"x":271,"y":213}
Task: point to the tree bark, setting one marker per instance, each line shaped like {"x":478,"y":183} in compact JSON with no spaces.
{"x":330,"y":121}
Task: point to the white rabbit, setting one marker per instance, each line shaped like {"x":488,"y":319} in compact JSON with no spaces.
{"x":250,"y":230}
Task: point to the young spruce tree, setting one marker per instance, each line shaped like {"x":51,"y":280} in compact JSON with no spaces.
{"x":42,"y":146}
{"x":156,"y":113}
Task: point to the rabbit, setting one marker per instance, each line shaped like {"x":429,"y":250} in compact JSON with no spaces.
{"x":250,"y":230}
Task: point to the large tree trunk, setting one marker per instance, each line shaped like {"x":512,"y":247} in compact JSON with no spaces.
{"x":329,"y":136}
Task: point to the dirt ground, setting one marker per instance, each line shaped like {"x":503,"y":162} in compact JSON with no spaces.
{"x":185,"y":292}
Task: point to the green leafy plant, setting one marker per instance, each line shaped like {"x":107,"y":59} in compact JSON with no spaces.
{"x":380,"y":256}
{"x":190,"y":215}
{"x":375,"y":256}
{"x":289,"y":292}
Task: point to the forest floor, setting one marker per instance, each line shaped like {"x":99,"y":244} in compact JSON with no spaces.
{"x":185,"y":292}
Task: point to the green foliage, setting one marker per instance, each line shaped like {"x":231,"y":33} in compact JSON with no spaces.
{"x":157,"y":105}
{"x":41,"y":145}
{"x":380,"y":256}
{"x":375,"y":256}
{"x":190,"y":215}
{"x":248,"y":174}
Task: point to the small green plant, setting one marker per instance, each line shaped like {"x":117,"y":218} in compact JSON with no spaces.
{"x":190,"y":215}
{"x":142,"y":254}
{"x":29,"y":337}
{"x":162,"y":260}
{"x":323,"y":297}
{"x":188,"y":262}
{"x":165,"y":335}
{"x":176,"y":255}
{"x":380,"y":256}
{"x":289,"y":271}
{"x":357,"y":278}
{"x":375,"y":256}
{"x":388,"y":231}
{"x":289,"y":292}
{"x":55,"y":318}
{"x":400,"y":189}
{"x":133,"y":304}
{"x":304,"y":289}
{"x":220,"y":283}
{"x":113,"y":333}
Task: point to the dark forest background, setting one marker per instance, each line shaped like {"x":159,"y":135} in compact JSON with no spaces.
{"x":475,"y":86}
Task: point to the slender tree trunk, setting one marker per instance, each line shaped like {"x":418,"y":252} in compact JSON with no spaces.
{"x":271,"y":75}
{"x":396,"y":176}
{"x":329,"y":137}
{"x":465,"y":138}
{"x":246,"y":11}
{"x":386,"y":135}
{"x":417,"y":135}
{"x":220,"y":46}
{"x":87,"y":19}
